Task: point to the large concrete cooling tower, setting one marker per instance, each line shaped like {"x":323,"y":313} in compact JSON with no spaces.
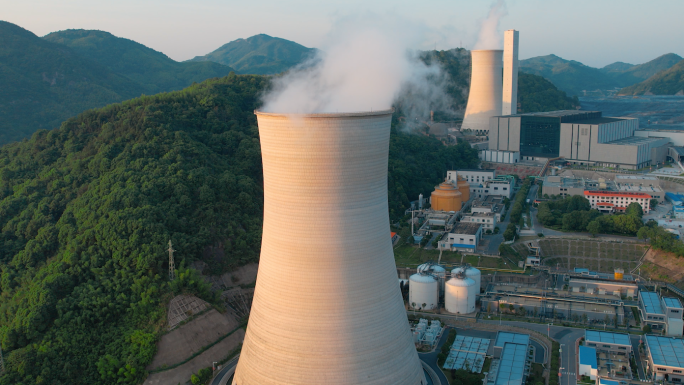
{"x":484,"y":100}
{"x":327,"y":307}
{"x":510,"y":73}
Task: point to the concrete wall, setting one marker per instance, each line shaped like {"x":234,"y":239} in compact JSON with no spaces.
{"x":510,"y":73}
{"x":504,"y":133}
{"x":308,"y":328}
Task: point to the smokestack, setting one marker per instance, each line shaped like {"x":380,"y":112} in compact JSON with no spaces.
{"x":327,"y":307}
{"x":484,"y":100}
{"x":510,"y":73}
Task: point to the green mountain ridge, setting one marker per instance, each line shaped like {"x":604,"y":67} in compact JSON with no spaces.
{"x":259,"y":54}
{"x":668,"y":82}
{"x":574,"y":77}
{"x":47,"y":80}
{"x":152,"y":69}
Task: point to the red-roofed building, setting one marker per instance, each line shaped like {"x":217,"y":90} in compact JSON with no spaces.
{"x":394,"y":236}
{"x":611,"y":201}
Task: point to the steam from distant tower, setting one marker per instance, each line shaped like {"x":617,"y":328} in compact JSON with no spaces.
{"x":510,"y":74}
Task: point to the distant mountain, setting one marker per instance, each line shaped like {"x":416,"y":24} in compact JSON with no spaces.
{"x":574,"y":77}
{"x":668,"y":82}
{"x":618,"y":66}
{"x":154,"y":70}
{"x":259,"y":54}
{"x":44,"y":83}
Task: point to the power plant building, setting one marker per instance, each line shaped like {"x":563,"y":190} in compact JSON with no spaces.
{"x":325,"y":181}
{"x":581,"y":137}
{"x":486,"y":87}
{"x":464,"y":237}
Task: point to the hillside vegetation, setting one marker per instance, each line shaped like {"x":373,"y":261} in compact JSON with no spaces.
{"x":259,"y":54}
{"x":668,"y":82}
{"x":86,"y":212}
{"x":536,"y":94}
{"x":574,"y":77}
{"x":155,"y":71}
{"x":45,"y":81}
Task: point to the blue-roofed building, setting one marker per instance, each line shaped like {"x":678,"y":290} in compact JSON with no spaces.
{"x":516,"y":338}
{"x":675,"y":199}
{"x":661,"y":313}
{"x":614,"y":343}
{"x":665,"y":357}
{"x":606,"y":381}
{"x":678,"y":212}
{"x":513,"y":365}
{"x":588,"y":365}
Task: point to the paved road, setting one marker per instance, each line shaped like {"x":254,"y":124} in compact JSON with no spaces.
{"x":635,"y":347}
{"x":226,"y":372}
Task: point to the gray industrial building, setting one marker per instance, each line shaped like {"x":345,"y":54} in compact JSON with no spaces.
{"x":619,"y":289}
{"x":582,"y":137}
{"x":562,"y":186}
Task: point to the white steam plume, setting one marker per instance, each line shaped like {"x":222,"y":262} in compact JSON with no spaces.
{"x":365,"y":63}
{"x":489,"y":37}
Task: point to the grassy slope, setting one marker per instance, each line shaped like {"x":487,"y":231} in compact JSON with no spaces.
{"x":668,"y":82}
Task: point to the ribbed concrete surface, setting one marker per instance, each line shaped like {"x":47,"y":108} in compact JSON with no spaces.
{"x":486,"y":88}
{"x":327,"y":308}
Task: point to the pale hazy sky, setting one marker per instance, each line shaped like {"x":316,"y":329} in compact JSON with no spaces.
{"x":594,"y":32}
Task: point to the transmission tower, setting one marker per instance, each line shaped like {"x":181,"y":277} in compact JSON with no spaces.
{"x":172,"y":266}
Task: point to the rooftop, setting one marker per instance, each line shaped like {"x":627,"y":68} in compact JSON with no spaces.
{"x":634,"y":141}
{"x":587,"y":356}
{"x":512,"y":365}
{"x":617,"y":194}
{"x":651,"y":302}
{"x":559,"y":181}
{"x":516,"y":338}
{"x":477,"y":169}
{"x":666,"y":351}
{"x":635,"y":177}
{"x":672,"y":302}
{"x":466,"y":228}
{"x":607,"y":337}
{"x":644,"y":189}
{"x":605,"y":381}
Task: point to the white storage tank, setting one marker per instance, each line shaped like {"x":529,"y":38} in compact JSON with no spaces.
{"x":471,"y":273}
{"x":459,"y":295}
{"x":423,"y":289}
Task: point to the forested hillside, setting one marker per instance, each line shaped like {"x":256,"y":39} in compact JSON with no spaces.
{"x":260,"y":54}
{"x":536,"y":94}
{"x":152,"y":69}
{"x":574,"y":77}
{"x":669,"y":82}
{"x":47,"y":80}
{"x":86,"y":212}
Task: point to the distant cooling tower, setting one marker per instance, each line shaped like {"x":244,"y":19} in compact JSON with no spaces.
{"x":484,"y":100}
{"x":327,"y":307}
{"x":510,"y":73}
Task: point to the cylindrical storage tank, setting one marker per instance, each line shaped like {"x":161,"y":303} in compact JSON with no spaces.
{"x":619,"y":274}
{"x":471,"y":273}
{"x":464,"y":189}
{"x":423,"y":289}
{"x":459,"y":295}
{"x":486,"y":89}
{"x":446,"y":198}
{"x":325,"y":181}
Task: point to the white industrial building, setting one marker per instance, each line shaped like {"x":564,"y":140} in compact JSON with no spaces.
{"x":464,"y":237}
{"x":588,"y":365}
{"x":500,"y":186}
{"x":661,"y":313}
{"x":581,"y":137}
{"x":334,"y":164}
{"x":487,"y":220}
{"x":472,"y":175}
{"x":491,"y":204}
{"x":497,"y":156}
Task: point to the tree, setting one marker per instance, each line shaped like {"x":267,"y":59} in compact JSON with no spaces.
{"x":510,"y":232}
{"x":634,"y":209}
{"x":653,"y":203}
{"x":647,"y":329}
{"x":594,"y":227}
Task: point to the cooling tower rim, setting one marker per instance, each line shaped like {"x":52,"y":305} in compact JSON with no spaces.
{"x":326,"y":115}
